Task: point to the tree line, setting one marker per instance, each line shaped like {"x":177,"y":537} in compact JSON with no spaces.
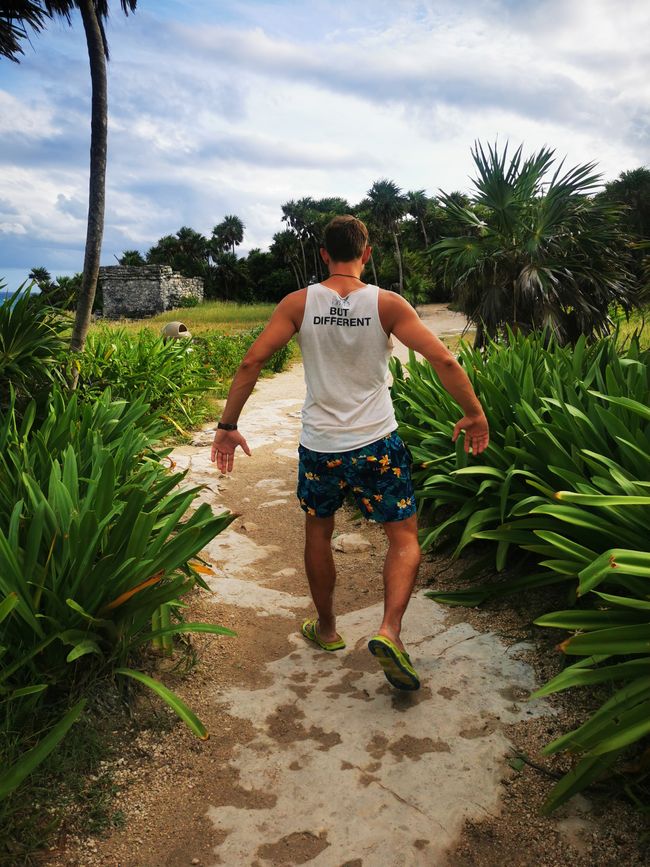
{"x":531,"y":245}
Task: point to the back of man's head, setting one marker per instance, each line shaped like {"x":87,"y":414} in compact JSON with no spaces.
{"x":345,"y":238}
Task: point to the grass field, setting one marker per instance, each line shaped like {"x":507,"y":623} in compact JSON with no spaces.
{"x":638,"y":322}
{"x":224,"y":316}
{"x":229,"y":317}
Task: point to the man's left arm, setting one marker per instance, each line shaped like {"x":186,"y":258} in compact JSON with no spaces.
{"x":406,"y":325}
{"x":278,"y":333}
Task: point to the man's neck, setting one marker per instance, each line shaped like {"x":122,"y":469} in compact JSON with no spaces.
{"x":344,"y":277}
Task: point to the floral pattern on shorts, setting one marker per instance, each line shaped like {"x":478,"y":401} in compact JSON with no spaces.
{"x":377,"y":475}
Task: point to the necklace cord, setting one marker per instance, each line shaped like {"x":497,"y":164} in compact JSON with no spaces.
{"x":346,"y":275}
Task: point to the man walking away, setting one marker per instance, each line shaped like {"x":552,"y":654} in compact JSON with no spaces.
{"x":349,"y":442}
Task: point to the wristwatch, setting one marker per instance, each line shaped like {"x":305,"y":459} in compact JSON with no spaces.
{"x":223,"y":426}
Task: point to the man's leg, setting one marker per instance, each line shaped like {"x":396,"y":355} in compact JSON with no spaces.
{"x":321,"y":572}
{"x":400,"y":570}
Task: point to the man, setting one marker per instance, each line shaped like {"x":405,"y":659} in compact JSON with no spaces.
{"x":348,"y":441}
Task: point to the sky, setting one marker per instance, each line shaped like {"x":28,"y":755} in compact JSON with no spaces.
{"x":230,"y":107}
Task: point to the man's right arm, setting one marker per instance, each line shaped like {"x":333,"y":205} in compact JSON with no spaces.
{"x":402,"y":321}
{"x":285,"y":321}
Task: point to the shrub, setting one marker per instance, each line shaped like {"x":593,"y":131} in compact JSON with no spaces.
{"x":188,"y":301}
{"x":565,"y":478}
{"x":176,"y":377}
{"x":95,"y":536}
{"x":170,"y":375}
{"x":224,"y":353}
{"x":33,"y":345}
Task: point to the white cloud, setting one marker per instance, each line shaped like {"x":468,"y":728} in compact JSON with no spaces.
{"x":31,"y":121}
{"x":237,"y":107}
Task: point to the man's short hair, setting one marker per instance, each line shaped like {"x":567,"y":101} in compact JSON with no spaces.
{"x":345,"y":238}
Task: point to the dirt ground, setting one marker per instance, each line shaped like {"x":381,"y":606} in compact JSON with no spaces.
{"x":184,"y":801}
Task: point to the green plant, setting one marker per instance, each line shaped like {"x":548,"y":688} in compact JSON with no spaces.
{"x":537,"y":249}
{"x":188,"y":301}
{"x":565,"y":483}
{"x":95,"y":537}
{"x":170,"y":375}
{"x":33,"y":344}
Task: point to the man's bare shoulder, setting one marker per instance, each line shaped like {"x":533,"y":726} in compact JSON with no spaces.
{"x":293,"y":299}
{"x":392,"y":309}
{"x":293,"y":306}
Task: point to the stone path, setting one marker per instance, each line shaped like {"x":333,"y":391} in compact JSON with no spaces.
{"x":350,"y":772}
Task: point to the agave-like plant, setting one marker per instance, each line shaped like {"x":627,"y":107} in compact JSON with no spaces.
{"x":33,"y":344}
{"x":564,"y":481}
{"x":95,"y":537}
{"x":538,"y":250}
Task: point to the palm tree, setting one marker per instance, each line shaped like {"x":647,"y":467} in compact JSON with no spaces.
{"x":632,"y":189}
{"x":285,"y":246}
{"x":320,"y":213}
{"x":417,"y":204}
{"x":537,"y":253}
{"x":14,"y":21}
{"x":229,"y":233}
{"x":132,"y":257}
{"x":16,"y":17}
{"x":388,"y":206}
{"x":296,"y":215}
{"x":362,"y":212}
{"x":42,"y":277}
{"x":186,"y":251}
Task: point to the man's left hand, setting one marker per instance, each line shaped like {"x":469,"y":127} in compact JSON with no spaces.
{"x":477,"y":433}
{"x":223,"y":448}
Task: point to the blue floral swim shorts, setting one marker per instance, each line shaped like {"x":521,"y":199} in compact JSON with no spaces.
{"x":377,"y":475}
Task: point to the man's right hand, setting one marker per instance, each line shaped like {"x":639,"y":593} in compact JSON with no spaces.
{"x":223,"y":448}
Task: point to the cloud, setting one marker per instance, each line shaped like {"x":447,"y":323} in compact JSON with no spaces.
{"x":72,"y":206}
{"x":240,"y":106}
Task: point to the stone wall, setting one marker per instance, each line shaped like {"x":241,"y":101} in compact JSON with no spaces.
{"x":137,"y":291}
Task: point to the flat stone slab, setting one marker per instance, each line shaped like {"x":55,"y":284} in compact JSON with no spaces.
{"x":359,"y":772}
{"x":248,"y":594}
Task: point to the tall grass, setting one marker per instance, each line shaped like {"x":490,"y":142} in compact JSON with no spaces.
{"x":226,"y":316}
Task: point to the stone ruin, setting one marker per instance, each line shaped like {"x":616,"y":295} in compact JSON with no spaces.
{"x":136,"y":291}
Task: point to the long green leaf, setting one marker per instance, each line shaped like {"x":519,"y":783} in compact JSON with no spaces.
{"x":180,"y":628}
{"x":573,"y":676}
{"x":175,"y":703}
{"x":616,"y":641}
{"x":586,"y":771}
{"x":11,"y":778}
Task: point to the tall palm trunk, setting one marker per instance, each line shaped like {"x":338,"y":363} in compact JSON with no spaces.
{"x":299,"y":285}
{"x":304,"y":261}
{"x":424,"y":232}
{"x":374,"y":270}
{"x":398,"y":256}
{"x":97,"y":184}
{"x":317,"y":271}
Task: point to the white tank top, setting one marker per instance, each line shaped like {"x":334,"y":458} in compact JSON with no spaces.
{"x":345,"y":352}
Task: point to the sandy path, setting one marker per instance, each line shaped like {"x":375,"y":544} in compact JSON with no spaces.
{"x":359,"y":773}
{"x":314,"y":757}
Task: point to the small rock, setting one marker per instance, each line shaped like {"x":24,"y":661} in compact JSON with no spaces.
{"x":249,"y":527}
{"x":350,"y":543}
{"x":285,"y":573}
{"x":195,"y":861}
